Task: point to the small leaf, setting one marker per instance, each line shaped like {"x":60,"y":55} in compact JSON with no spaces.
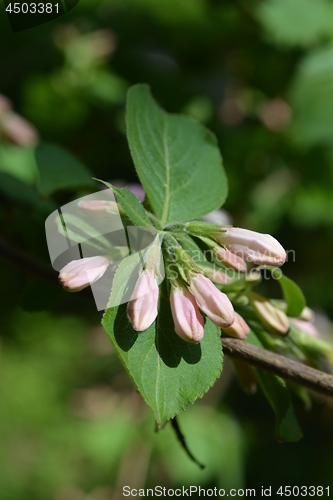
{"x":169,"y":373}
{"x":60,"y":169}
{"x":292,"y":294}
{"x":177,"y":160}
{"x":286,"y":426}
{"x":131,"y":206}
{"x":277,"y":394}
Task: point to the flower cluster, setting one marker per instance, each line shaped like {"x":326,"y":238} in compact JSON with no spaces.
{"x":192,"y":292}
{"x":196,"y":293}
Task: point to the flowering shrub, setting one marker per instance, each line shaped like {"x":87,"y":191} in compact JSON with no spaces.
{"x":168,"y":335}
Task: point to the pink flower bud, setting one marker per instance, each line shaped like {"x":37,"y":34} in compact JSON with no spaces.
{"x":189,"y":323}
{"x":99,"y":207}
{"x":216,"y":276}
{"x":142,"y":309}
{"x":239,"y":329}
{"x":18,"y":130}
{"x":230,"y":260}
{"x":211,"y":301}
{"x":306,"y":327}
{"x":81,"y":273}
{"x":254,"y":247}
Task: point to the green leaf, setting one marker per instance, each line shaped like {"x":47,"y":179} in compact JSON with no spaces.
{"x":295,"y":22}
{"x":292,"y":294}
{"x":286,"y":426}
{"x":19,"y":162}
{"x":177,"y":160}
{"x":277,"y":394}
{"x":169,"y":373}
{"x":312,"y":109}
{"x":131,"y":206}
{"x":59,"y":169}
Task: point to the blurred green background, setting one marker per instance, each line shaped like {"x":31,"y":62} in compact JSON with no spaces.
{"x":260,"y":75}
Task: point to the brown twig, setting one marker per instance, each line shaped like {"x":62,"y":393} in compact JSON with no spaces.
{"x":279,"y":365}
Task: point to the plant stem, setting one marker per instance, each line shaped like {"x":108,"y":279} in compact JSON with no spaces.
{"x":279,"y":365}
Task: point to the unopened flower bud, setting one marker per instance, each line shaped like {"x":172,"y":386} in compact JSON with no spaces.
{"x":230,"y":260}
{"x":306,"y":327}
{"x":254,"y":247}
{"x":99,"y":207}
{"x":211,"y":301}
{"x":18,"y":130}
{"x":142,"y":309}
{"x":215,"y":275}
{"x":79,"y":274}
{"x":189,"y":323}
{"x":273,"y":318}
{"x":239,"y":329}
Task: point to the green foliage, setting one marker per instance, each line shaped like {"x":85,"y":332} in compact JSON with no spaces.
{"x":274,"y":388}
{"x":311,"y":96}
{"x":296,"y":22}
{"x":19,"y":162}
{"x":72,"y":425}
{"x":292,"y":294}
{"x":131,"y":206}
{"x":169,"y":373}
{"x":170,"y":152}
{"x":59,"y":169}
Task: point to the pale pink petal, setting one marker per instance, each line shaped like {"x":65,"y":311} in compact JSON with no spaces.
{"x":189,"y":323}
{"x":239,"y":329}
{"x":79,"y":274}
{"x":231,"y":260}
{"x":142,"y":309}
{"x":254,"y":247}
{"x":211,"y":301}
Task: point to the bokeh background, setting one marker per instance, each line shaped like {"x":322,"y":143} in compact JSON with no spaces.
{"x":260,"y":75}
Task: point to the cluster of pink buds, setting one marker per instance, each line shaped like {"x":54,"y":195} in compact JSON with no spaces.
{"x":193,"y":293}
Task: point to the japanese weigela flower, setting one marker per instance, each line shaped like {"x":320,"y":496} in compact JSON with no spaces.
{"x":211,"y":301}
{"x":188,"y":321}
{"x":79,"y":274}
{"x":239,"y":329}
{"x":252,"y":246}
{"x":142,"y":309}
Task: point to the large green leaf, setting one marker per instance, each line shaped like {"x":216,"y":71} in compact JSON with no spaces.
{"x":169,"y":373}
{"x":60,"y":169}
{"x":177,"y":160}
{"x":277,"y":394}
